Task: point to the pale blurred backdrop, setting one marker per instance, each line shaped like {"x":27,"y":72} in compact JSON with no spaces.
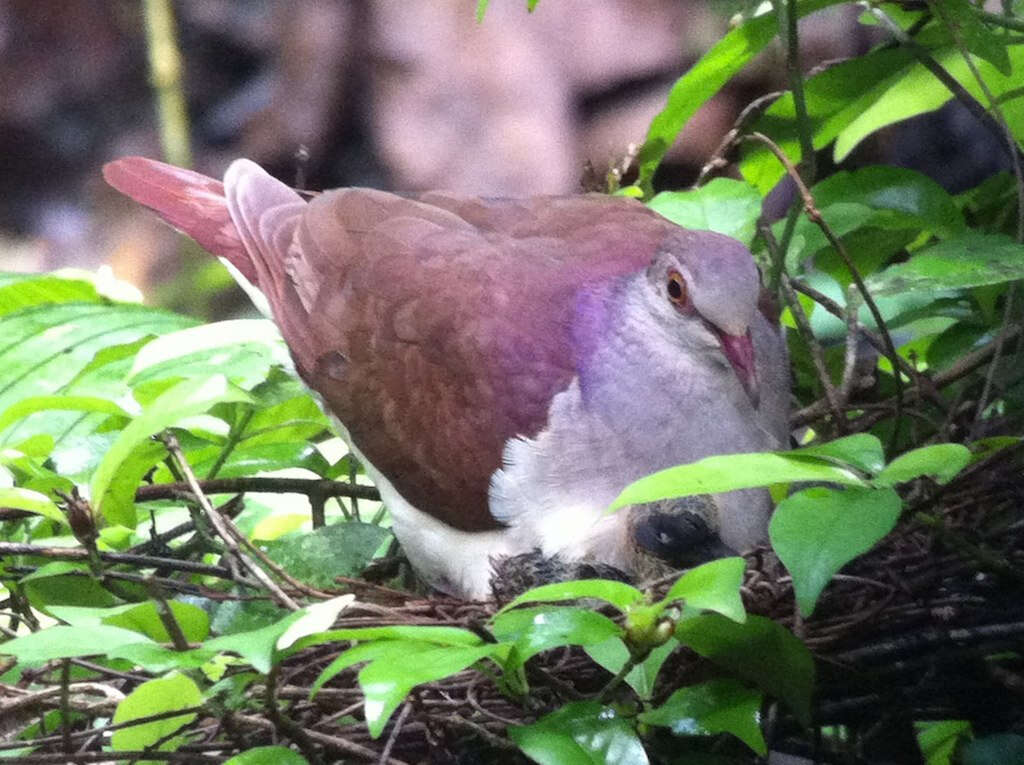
{"x":386,"y":93}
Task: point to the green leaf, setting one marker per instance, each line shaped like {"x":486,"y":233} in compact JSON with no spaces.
{"x":142,"y":618}
{"x":316,"y":617}
{"x":940,"y":461}
{"x":157,"y":659}
{"x":817,"y":531}
{"x":580,"y":733}
{"x":62,"y":642}
{"x":186,"y":398}
{"x":861,"y":450}
{"x":760,"y":651}
{"x":318,"y":557}
{"x":32,"y":404}
{"x":619,"y":594}
{"x":259,"y":646}
{"x":539,"y":629}
{"x":64,"y":350}
{"x":163,"y":694}
{"x":714,"y":586}
{"x":918,"y":91}
{"x":33,"y":502}
{"x":973,"y":32}
{"x":939,"y":740}
{"x":834,"y":98}
{"x":723,"y":205}
{"x":908,"y":197}
{"x":423,"y":633}
{"x":612,"y":654}
{"x":268,"y":755}
{"x":705,"y":78}
{"x":246,"y":347}
{"x":387,"y":680}
{"x":18,"y":291}
{"x":728,"y":472}
{"x":717,"y":706}
{"x":970,"y":260}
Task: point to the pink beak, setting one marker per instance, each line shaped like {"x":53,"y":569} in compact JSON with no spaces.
{"x":739,"y":350}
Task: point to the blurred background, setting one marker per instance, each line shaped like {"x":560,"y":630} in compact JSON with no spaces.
{"x":385,"y":93}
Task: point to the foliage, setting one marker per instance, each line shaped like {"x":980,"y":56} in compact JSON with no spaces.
{"x":121,"y":402}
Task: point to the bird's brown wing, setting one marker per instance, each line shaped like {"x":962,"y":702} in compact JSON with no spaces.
{"x":443,"y":326}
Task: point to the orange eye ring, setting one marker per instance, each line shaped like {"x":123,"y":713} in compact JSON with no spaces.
{"x":676,"y":287}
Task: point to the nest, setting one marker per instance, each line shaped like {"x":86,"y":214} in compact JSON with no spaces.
{"x":920,"y":628}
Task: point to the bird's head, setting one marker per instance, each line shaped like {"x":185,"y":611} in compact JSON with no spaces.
{"x":702,"y":289}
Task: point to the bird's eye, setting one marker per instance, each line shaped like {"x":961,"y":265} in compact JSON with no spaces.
{"x":676,"y":288}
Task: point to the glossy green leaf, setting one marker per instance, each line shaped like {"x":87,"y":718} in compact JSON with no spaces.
{"x":268,"y":755}
{"x":142,"y":618}
{"x":717,"y":706}
{"x":612,"y":654}
{"x":319,"y":556}
{"x":907,"y":196}
{"x":186,"y":398}
{"x":917,"y":91}
{"x":32,"y":404}
{"x":940,"y":461}
{"x":723,"y":205}
{"x":817,"y":531}
{"x":62,"y":642}
{"x":158,"y":659}
{"x":422,"y":633}
{"x":705,"y":78}
{"x":619,"y":594}
{"x":580,"y":733}
{"x":861,"y":450}
{"x":834,"y":97}
{"x":244,"y":349}
{"x":728,"y":472}
{"x":316,"y":617}
{"x":713,"y":586}
{"x":539,"y":629}
{"x":33,"y":502}
{"x":973,"y":33}
{"x":18,"y":291}
{"x":759,"y":651}
{"x":387,"y":680}
{"x":259,"y":646}
{"x":162,"y":694}
{"x":939,"y":739}
{"x":63,"y":350}
{"x":970,"y":260}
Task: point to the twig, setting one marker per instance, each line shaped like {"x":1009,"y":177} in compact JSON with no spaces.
{"x":307,"y":486}
{"x":395,"y":730}
{"x":835,"y":403}
{"x":224,"y":527}
{"x":284,"y":725}
{"x":234,"y":437}
{"x":815,"y":216}
{"x":146,"y":561}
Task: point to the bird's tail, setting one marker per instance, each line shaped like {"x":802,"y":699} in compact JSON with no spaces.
{"x":193,"y":203}
{"x":248,"y":220}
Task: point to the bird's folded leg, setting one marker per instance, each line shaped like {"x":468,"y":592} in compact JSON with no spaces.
{"x":675,"y":533}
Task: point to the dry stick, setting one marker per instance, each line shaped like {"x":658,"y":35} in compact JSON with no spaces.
{"x":146,"y":561}
{"x":283,"y":724}
{"x":815,"y":216}
{"x":385,"y":754}
{"x":223,"y":526}
{"x":307,"y":486}
{"x":835,"y":403}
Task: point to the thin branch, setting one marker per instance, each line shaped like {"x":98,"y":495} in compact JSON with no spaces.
{"x":307,"y":486}
{"x":165,"y":70}
{"x":815,"y":216}
{"x":224,"y":527}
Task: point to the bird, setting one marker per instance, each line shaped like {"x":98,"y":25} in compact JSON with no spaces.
{"x":503,"y":368}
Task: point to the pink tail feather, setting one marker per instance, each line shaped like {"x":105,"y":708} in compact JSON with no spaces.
{"x":191,"y":202}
